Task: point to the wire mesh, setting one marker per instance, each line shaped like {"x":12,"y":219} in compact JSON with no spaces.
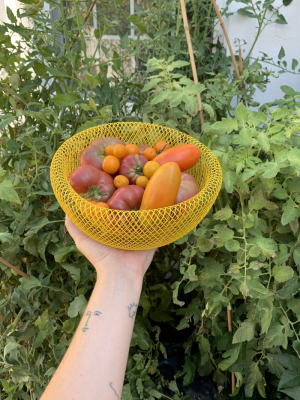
{"x":135,"y":230}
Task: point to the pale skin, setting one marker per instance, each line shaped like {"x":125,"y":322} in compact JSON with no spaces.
{"x":94,"y":366}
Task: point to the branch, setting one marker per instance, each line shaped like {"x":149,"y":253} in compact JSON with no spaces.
{"x":84,"y":21}
{"x":14,"y":268}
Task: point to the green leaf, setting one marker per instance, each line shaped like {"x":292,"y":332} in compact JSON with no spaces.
{"x":245,"y":332}
{"x":290,"y":212}
{"x":270,"y":169}
{"x":161,"y":97}
{"x":190,"y":273}
{"x":229,"y":179}
{"x":91,"y":80}
{"x":268,"y":247}
{"x":288,"y":90}
{"x":204,"y":245}
{"x":274,"y":366}
{"x":66,"y":99}
{"x":289,"y":379}
{"x":50,"y":371}
{"x":63,"y":253}
{"x":243,"y":114}
{"x":194,"y":89}
{"x":126,"y":392}
{"x":280,"y":20}
{"x":265,"y":308}
{"x":288,"y":361}
{"x":74,"y":272}
{"x":138,"y":23}
{"x":11,"y":15}
{"x":58,"y":72}
{"x":224,"y":214}
{"x":252,"y":377}
{"x":282,"y":273}
{"x":151,"y":84}
{"x":246,"y":13}
{"x":13,"y":145}
{"x":294,"y":392}
{"x":30,"y":283}
{"x":296,"y":256}
{"x":77,"y":306}
{"x":10,"y":347}
{"x":294,"y":65}
{"x":286,"y":2}
{"x":274,"y":336}
{"x":225,"y":126}
{"x":281,"y":53}
{"x":175,"y":288}
{"x":124,"y":41}
{"x":8,"y":193}
{"x":37,"y":224}
{"x":189,"y":370}
{"x":232,"y":245}
{"x":263,"y":141}
{"x":257,"y":200}
{"x":231,"y":357}
{"x":6,"y":237}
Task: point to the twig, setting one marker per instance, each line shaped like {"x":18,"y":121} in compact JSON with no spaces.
{"x":241,"y":66}
{"x":14,"y":268}
{"x":230,"y":330}
{"x":84,"y":21}
{"x":189,"y":42}
{"x":227,"y":40}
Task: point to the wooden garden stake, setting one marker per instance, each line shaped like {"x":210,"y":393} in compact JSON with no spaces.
{"x":228,"y":41}
{"x":189,"y":42}
{"x":17,"y":270}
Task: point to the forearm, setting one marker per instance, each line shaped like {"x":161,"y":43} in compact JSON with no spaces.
{"x":94,"y":365}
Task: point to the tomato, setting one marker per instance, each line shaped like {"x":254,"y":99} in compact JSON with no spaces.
{"x":120,"y":181}
{"x":162,"y":188}
{"x":132,"y":149}
{"x":149,"y":153}
{"x":126,"y":198}
{"x":185,"y":155}
{"x":109,"y":150}
{"x":99,"y":204}
{"x":188,"y":188}
{"x":132,"y":167}
{"x":142,"y":181}
{"x":110,"y":164}
{"x":142,"y":148}
{"x":94,"y":154}
{"x":120,"y":151}
{"x":92,"y":182}
{"x":161,"y":146}
{"x":150,"y":167}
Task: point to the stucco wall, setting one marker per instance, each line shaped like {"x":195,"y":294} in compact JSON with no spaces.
{"x":273,"y":37}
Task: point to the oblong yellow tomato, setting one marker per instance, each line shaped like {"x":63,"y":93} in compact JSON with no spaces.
{"x":162,"y":188}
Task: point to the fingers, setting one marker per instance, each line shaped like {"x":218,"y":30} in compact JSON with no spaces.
{"x":75,"y":232}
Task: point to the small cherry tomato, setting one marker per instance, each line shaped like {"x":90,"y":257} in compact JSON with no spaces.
{"x":142,"y":181}
{"x":120,"y":181}
{"x":120,"y":151}
{"x":109,"y":151}
{"x":99,"y":204}
{"x":149,"y":168}
{"x":111,"y":164}
{"x":132,"y":149}
{"x":161,"y":146}
{"x":149,"y":153}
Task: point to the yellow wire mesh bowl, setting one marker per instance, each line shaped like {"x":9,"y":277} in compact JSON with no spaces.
{"x":135,"y":230}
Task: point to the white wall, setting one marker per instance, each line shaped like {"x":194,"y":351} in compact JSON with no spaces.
{"x":273,"y":37}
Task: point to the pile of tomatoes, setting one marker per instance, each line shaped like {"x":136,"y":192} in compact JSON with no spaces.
{"x":122,"y":176}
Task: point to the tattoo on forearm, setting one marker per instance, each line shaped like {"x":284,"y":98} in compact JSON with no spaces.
{"x":89,"y":314}
{"x":132,"y":308}
{"x":113,"y":389}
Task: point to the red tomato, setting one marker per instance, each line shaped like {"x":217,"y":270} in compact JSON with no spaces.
{"x":185,"y":155}
{"x":92,"y":182}
{"x":162,"y":188}
{"x":94,"y":154}
{"x":132,"y":167}
{"x":142,"y":148}
{"x":132,"y":149}
{"x":188,"y":188}
{"x":126,"y":198}
{"x":111,"y":164}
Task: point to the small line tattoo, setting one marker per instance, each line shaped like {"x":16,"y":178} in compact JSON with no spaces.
{"x":89,"y":314}
{"x":132,"y":308}
{"x":113,"y":389}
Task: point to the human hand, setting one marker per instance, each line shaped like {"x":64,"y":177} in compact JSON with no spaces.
{"x":108,"y":259}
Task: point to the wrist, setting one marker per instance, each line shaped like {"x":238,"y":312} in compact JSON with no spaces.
{"x":121,"y":278}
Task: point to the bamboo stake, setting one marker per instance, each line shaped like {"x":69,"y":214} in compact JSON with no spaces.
{"x":84,"y":21}
{"x":14,"y":268}
{"x":189,"y":42}
{"x":241,"y":66}
{"x":227,"y":39}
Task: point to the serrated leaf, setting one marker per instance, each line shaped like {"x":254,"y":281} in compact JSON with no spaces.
{"x":232,"y":245}
{"x":229,"y":179}
{"x":151,"y":84}
{"x":231,"y":357}
{"x":245,"y":332}
{"x":74,"y":272}
{"x":8,"y":193}
{"x":126,"y":392}
{"x":224,"y":214}
{"x":225,"y":126}
{"x":190,"y":273}
{"x":66,"y":99}
{"x":10,"y":347}
{"x":252,"y":377}
{"x":265,"y":308}
{"x":282,"y":273}
{"x":161,"y":97}
{"x":77,"y":306}
{"x":288,"y":361}
{"x":270,"y":169}
{"x":30,"y":283}
{"x":91,"y":80}
{"x":175,"y":288}
{"x":274,"y":366}
{"x":263,"y":141}
{"x":6,"y":237}
{"x":274,"y":336}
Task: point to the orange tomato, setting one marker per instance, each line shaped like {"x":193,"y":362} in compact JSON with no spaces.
{"x":142,"y":181}
{"x":149,"y":153}
{"x":162,"y":188}
{"x":111,"y":164}
{"x":149,"y":168}
{"x":99,"y":204}
{"x":120,"y":181}
{"x":185,"y":155}
{"x":132,"y":149}
{"x":120,"y":151}
{"x":109,"y":151}
{"x":161,"y":146}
